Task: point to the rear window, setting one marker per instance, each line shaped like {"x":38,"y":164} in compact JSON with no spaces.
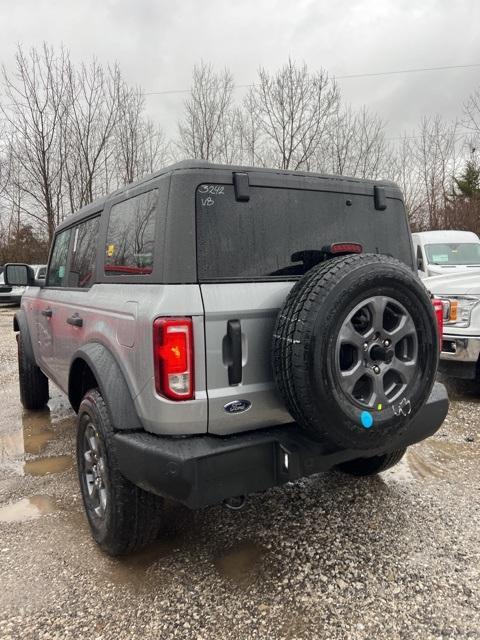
{"x":131,"y":236}
{"x":279,"y":233}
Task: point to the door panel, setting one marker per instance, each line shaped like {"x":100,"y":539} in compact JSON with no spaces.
{"x":45,"y":312}
{"x":255,"y":306}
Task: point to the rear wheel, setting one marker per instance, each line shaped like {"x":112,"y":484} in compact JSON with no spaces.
{"x":122,"y":516}
{"x":33,"y":382}
{"x":372,"y":466}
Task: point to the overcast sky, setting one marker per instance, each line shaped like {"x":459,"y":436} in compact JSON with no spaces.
{"x":157,"y":42}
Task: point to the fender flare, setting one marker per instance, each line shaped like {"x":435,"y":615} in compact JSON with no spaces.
{"x":20,"y":325}
{"x":111,"y":383}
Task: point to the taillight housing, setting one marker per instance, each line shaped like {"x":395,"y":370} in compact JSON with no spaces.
{"x":173,"y":358}
{"x":438,"y":308}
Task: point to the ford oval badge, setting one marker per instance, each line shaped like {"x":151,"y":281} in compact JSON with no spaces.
{"x":237,"y":406}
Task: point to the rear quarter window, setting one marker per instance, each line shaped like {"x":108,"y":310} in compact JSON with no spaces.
{"x":130,"y":241}
{"x":84,"y":253}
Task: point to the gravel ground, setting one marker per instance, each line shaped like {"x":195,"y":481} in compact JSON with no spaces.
{"x":396,"y":556}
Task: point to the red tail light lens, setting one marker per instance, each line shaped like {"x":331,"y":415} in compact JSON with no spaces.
{"x":345,"y":247}
{"x":173,"y":358}
{"x":438,"y":308}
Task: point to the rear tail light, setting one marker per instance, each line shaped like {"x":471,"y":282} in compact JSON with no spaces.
{"x":173,"y":358}
{"x":438,"y":308}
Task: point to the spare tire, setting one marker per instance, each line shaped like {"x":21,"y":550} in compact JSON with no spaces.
{"x":355,"y":350}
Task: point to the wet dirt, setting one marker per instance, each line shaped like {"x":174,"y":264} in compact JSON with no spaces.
{"x":27,"y":509}
{"x":241,"y":564}
{"x":135,"y":570}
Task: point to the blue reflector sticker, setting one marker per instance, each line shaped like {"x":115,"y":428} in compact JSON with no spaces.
{"x":366,"y":419}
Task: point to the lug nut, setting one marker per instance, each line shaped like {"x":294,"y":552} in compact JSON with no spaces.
{"x":386,"y":343}
{"x":376,"y":369}
{"x":365,"y":346}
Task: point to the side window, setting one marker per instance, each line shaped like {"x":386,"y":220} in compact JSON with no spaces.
{"x":84,"y":254}
{"x":42,"y":272}
{"x":57,"y":268}
{"x":131,"y":236}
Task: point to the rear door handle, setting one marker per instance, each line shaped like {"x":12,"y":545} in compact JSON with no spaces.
{"x":47,"y":312}
{"x":75,"y":320}
{"x":234,"y":335}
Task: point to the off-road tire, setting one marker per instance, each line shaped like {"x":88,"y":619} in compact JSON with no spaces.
{"x":33,"y":382}
{"x":304,"y":341}
{"x":371,"y":466}
{"x":132,"y":517}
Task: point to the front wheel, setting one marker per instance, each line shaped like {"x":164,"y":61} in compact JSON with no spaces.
{"x":33,"y":382}
{"x":122,"y":517}
{"x":372,"y":466}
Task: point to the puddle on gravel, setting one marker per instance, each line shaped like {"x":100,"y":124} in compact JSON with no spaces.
{"x":133,"y":570}
{"x":45,"y":466}
{"x":29,"y":432}
{"x":241,"y":564}
{"x":27,"y":509}
{"x":435,"y":458}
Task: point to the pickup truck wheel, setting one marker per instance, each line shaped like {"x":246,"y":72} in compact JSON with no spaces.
{"x":355,"y":350}
{"x":122,"y":517}
{"x":33,"y":382}
{"x":372,"y":466}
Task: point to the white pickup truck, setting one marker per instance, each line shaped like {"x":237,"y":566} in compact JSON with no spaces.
{"x":460,"y":293}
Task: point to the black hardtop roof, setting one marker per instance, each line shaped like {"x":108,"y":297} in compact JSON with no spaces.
{"x":202,"y":165}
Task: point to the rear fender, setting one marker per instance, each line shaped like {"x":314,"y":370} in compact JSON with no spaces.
{"x":94,"y":365}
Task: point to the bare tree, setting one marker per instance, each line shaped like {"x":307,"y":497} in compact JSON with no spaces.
{"x":34,"y":110}
{"x":293,"y":110}
{"x":202,"y":129}
{"x":355,"y":145}
{"x":94,"y":98}
{"x":140,"y":145}
{"x":406,"y":172}
{"x":435,"y":151}
{"x":471,"y":114}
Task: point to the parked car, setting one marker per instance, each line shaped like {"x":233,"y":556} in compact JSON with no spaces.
{"x":460,"y":294}
{"x":14,"y":294}
{"x":221,"y":330}
{"x":445,"y":252}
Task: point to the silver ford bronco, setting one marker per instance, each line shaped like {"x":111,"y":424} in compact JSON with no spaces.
{"x":221,"y":330}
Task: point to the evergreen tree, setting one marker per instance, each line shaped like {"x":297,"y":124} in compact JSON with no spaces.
{"x":469,"y":181}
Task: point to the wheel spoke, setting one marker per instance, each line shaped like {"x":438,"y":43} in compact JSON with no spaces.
{"x":93,"y":442}
{"x":349,"y":335}
{"x":377,"y":309}
{"x":405,"y":328}
{"x":88,"y":460}
{"x":352,"y":376}
{"x":406,"y":370}
{"x":94,"y":494}
{"x":378,"y":395}
{"x":103,"y":499}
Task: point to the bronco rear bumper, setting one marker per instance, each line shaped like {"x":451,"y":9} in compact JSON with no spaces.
{"x":204,"y":470}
